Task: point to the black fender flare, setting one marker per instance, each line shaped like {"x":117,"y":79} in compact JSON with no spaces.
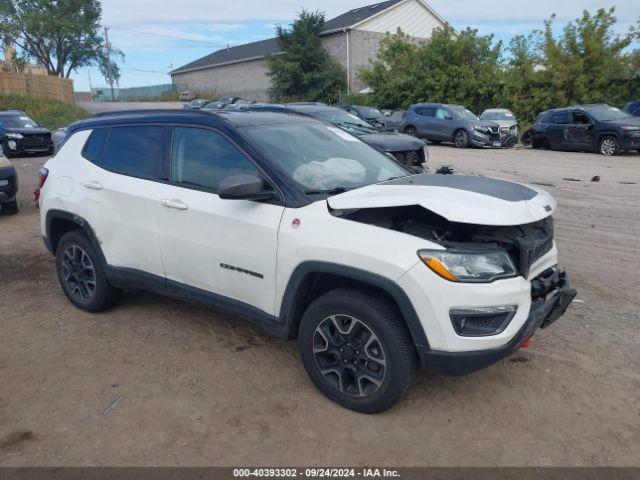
{"x":292,"y":291}
{"x":81,"y":223}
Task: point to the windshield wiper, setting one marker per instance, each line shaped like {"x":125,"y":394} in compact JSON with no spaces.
{"x":365,"y":128}
{"x":329,"y":191}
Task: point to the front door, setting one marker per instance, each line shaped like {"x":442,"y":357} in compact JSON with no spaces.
{"x":225,"y":247}
{"x":579,"y":133}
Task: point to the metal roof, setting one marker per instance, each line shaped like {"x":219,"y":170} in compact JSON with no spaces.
{"x":256,"y":50}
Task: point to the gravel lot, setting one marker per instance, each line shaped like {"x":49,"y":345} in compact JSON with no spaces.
{"x":159,"y":382}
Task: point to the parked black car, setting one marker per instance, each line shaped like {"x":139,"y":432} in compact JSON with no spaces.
{"x":20,"y":135}
{"x":633,"y":108}
{"x":8,"y":186}
{"x":411,"y":152}
{"x":594,"y":127}
{"x":371,"y":115}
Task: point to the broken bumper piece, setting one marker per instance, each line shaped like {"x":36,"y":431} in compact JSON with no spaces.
{"x":544,"y":311}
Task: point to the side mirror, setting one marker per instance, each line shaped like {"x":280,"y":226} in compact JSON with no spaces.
{"x":243,"y":187}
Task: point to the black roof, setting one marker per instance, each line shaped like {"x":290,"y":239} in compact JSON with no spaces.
{"x":236,"y":118}
{"x":270,"y":46}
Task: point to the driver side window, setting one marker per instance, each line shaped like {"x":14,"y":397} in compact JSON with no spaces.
{"x":203,"y":158}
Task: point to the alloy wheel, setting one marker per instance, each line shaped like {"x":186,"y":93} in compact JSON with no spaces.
{"x":608,"y":147}
{"x":349,"y":355}
{"x":459,"y":140}
{"x":79,"y":273}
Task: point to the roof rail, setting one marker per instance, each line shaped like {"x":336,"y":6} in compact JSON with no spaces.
{"x":182,"y":111}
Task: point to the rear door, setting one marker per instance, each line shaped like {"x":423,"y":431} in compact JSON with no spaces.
{"x":556,"y":127}
{"x":116,"y":192}
{"x":224,"y":247}
{"x":426,"y":122}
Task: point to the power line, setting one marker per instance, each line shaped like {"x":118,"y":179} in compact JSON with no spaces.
{"x":165,"y":36}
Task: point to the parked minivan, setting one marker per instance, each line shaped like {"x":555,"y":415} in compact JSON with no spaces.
{"x":440,"y":122}
{"x":305,"y":230}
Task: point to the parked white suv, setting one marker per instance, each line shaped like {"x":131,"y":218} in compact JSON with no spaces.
{"x":307,"y":231}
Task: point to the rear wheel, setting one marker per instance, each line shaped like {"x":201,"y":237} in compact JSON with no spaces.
{"x":461,"y":139}
{"x":81,"y":274}
{"x":356,"y":350}
{"x":411,"y":131}
{"x":609,"y":145}
{"x":9,"y":208}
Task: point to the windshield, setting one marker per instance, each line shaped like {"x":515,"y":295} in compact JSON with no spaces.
{"x":497,"y":116}
{"x":460,"y":113}
{"x":323,"y":158}
{"x":17,"y":121}
{"x":606,"y":113}
{"x":349,"y":122}
{"x":370,"y":112}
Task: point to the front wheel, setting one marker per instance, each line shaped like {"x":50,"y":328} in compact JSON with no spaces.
{"x":356,"y":350}
{"x":461,"y":139}
{"x":609,"y":146}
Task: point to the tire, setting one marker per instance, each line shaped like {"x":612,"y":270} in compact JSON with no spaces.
{"x":76,"y":256}
{"x":9,"y":208}
{"x":356,"y":350}
{"x":608,"y":146}
{"x":527,"y":138}
{"x":461,"y":139}
{"x":411,"y":131}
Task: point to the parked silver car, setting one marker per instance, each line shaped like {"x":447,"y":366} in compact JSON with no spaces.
{"x":503,"y":117}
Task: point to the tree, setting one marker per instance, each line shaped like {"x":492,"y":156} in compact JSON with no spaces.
{"x":588,"y":63}
{"x":304,"y":70}
{"x":451,"y":68}
{"x":60,"y":35}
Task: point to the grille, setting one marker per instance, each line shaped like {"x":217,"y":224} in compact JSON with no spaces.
{"x":495,"y":129}
{"x":410,"y":158}
{"x":535,"y":244}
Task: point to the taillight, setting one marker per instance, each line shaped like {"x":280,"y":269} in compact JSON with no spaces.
{"x":43,"y":174}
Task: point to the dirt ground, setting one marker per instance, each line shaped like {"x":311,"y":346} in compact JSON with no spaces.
{"x":160,"y":382}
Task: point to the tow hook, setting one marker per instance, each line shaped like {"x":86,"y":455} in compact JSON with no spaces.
{"x":525,"y":344}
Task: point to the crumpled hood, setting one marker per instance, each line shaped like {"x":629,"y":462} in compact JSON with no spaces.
{"x":393,"y":142}
{"x":505,"y":123}
{"x":458,"y":198}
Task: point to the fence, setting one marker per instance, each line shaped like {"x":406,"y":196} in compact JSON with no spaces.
{"x":39,"y":86}
{"x":152,"y":92}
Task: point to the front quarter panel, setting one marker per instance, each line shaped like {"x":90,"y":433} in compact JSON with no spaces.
{"x":311,"y":233}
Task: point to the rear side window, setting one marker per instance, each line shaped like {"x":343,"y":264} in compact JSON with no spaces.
{"x":94,"y":147}
{"x":202,"y":158}
{"x":560,"y":118}
{"x":135,"y":151}
{"x":426,"y":111}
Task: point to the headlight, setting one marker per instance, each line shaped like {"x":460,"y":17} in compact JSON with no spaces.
{"x":17,"y":136}
{"x":479,"y":267}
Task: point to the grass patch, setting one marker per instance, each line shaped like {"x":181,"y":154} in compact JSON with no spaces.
{"x":51,"y":114}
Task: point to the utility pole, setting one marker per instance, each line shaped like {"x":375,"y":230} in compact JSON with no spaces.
{"x":108,"y":59}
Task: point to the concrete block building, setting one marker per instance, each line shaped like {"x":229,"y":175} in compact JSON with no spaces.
{"x":352,"y":38}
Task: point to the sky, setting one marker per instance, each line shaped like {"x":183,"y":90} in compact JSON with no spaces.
{"x":158,"y":35}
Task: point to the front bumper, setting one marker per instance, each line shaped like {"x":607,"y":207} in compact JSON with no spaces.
{"x":27,"y":145}
{"x":482,"y":139}
{"x":8,"y":184}
{"x":631,"y":141}
{"x":544,"y":311}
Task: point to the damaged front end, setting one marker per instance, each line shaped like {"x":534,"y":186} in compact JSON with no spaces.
{"x":525,"y":244}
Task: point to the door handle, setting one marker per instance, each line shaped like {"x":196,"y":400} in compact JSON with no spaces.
{"x":94,"y":185}
{"x":174,"y":203}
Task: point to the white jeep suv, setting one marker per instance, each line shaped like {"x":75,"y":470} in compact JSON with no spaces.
{"x":305,"y":230}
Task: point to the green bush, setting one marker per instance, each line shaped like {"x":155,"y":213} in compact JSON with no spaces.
{"x":51,"y":114}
